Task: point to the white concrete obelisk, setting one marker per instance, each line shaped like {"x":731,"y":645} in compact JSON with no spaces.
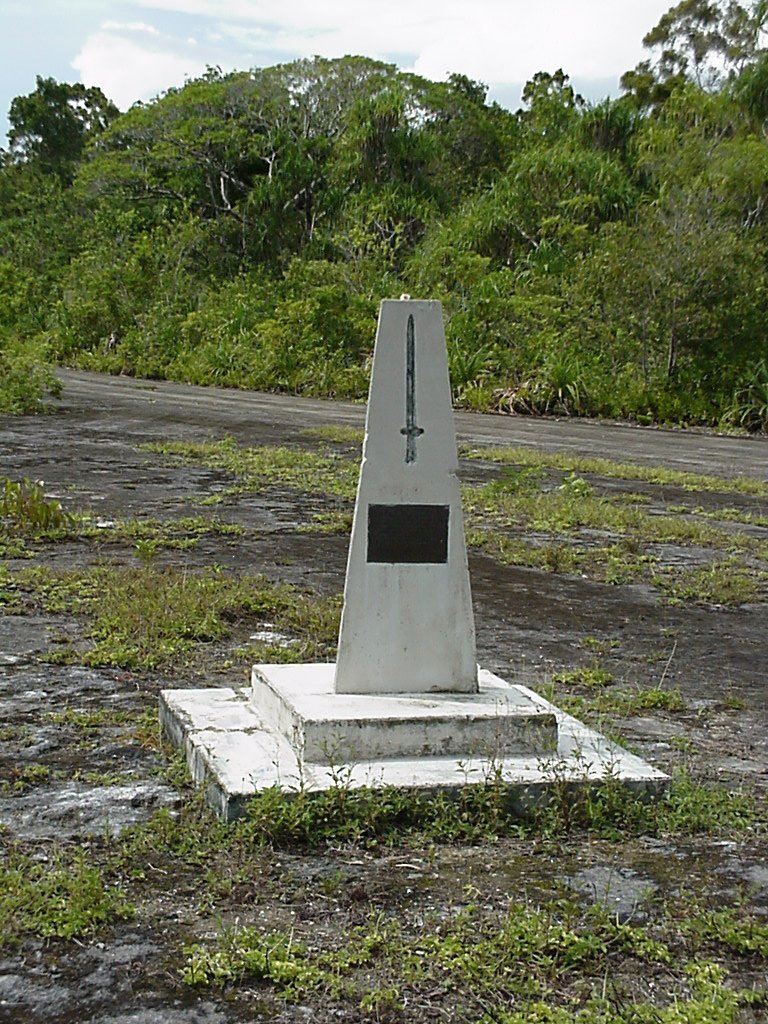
{"x":407,"y":623}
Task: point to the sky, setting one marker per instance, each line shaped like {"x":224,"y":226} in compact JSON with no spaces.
{"x":136,"y":49}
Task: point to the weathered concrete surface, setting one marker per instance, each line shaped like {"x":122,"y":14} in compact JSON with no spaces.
{"x":407,"y":623}
{"x":129,"y":974}
{"x":118,"y":402}
{"x":301,"y":703}
{"x":234,"y":748}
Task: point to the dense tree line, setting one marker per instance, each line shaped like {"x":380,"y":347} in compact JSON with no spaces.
{"x":598,"y":259}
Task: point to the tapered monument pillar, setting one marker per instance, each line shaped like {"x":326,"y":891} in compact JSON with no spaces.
{"x":407,"y":624}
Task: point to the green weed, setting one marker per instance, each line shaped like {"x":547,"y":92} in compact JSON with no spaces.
{"x":258,"y":468}
{"x":527,"y":965}
{"x":732,"y":702}
{"x":336,"y":433}
{"x":618,"y":702}
{"x":26,"y":381}
{"x":729,"y":515}
{"x":613,"y":564}
{"x":634,"y":702}
{"x":63,"y":898}
{"x":19,"y":734}
{"x":749,"y":406}
{"x":741,"y":933}
{"x":598,"y":645}
{"x":142,"y":618}
{"x":574,"y":506}
{"x":146,"y":729}
{"x":721,"y":582}
{"x":247,"y":953}
{"x":13,"y":547}
{"x":25,"y":513}
{"x":151,"y":535}
{"x":25,"y":508}
{"x":479,"y":812}
{"x":689,"y":808}
{"x":94,"y":778}
{"x":682,"y":743}
{"x":569,"y":463}
{"x":335,"y":521}
{"x":591,"y":677}
{"x":522,"y":500}
{"x":23,"y":777}
{"x":37,"y":588}
{"x":85,"y":720}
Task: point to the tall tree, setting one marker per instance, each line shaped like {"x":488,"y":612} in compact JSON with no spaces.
{"x":698,"y":41}
{"x":52,"y":125}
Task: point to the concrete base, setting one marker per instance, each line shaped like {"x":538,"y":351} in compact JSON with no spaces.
{"x":290,"y":730}
{"x":325,"y":727}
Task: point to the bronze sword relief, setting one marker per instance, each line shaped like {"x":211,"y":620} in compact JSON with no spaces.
{"x":410,"y":430}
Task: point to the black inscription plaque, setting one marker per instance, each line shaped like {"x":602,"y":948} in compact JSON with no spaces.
{"x":408,"y":533}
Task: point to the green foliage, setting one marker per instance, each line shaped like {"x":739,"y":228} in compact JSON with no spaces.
{"x":257,"y":468}
{"x":247,"y":953}
{"x":568,"y":525}
{"x":727,"y":928}
{"x":720,"y":582}
{"x":65,"y":898}
{"x":600,"y":260}
{"x":144,"y":618}
{"x":592,"y":677}
{"x":486,"y":809}
{"x":750,"y":401}
{"x":25,"y":378}
{"x":569,"y":463}
{"x":24,"y":507}
{"x":52,"y":125}
{"x":530,"y":964}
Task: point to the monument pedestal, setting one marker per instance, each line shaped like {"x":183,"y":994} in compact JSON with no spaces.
{"x":238,"y":742}
{"x":322,"y":726}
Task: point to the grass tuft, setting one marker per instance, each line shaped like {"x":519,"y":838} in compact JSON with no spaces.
{"x":66,"y":898}
{"x":569,"y":463}
{"x":256,"y":469}
{"x":146,"y":617}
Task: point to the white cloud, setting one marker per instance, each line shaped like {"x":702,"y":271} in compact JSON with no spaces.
{"x":494,"y":40}
{"x":130,"y":26}
{"x":127,"y":71}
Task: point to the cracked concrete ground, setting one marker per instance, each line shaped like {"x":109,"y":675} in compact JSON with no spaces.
{"x":529,"y":624}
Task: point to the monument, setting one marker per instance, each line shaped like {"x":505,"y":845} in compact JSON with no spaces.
{"x":405,"y":702}
{"x":407,"y":622}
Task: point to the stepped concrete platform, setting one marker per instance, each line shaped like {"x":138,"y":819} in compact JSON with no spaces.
{"x":291,"y":730}
{"x":300,"y":703}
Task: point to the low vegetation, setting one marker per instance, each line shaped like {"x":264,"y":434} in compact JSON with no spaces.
{"x":27,"y":381}
{"x":560,"y":519}
{"x":29,"y":519}
{"x":25,"y":509}
{"x":533,"y":958}
{"x":147,"y":617}
{"x":532,"y":516}
{"x":255,"y":469}
{"x":571,"y":463}
{"x":548,"y":957}
{"x":65,"y":897}
{"x":600,"y":259}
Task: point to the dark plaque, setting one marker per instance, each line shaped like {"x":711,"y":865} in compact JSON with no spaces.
{"x":408,"y":533}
